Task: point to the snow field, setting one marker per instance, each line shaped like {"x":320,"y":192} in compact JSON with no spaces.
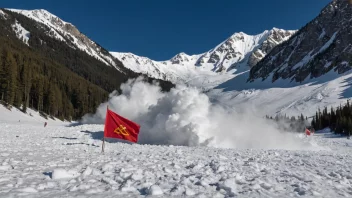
{"x":60,"y":161}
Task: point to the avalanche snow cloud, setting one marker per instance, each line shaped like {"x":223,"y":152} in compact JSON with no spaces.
{"x":185,"y":116}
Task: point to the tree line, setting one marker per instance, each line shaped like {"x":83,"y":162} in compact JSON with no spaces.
{"x":292,"y":124}
{"x":26,"y":81}
{"x":338,"y":120}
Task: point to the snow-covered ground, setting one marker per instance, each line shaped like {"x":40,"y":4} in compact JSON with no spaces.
{"x":64,"y":161}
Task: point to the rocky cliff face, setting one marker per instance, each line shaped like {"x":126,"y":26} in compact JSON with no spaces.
{"x":242,"y":49}
{"x":321,"y":46}
{"x":276,"y":36}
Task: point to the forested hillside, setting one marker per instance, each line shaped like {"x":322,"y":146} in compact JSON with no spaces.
{"x":338,"y":120}
{"x":51,"y":76}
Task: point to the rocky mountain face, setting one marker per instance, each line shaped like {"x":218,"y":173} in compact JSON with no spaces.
{"x":241,"y":48}
{"x":236,"y":54}
{"x":319,"y":47}
{"x":276,"y":37}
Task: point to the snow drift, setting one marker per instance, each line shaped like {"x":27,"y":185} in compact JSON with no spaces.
{"x":185,"y":116}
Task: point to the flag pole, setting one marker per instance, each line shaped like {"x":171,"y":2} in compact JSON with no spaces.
{"x":103,"y":145}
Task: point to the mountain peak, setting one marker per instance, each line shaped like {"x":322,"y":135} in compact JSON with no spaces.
{"x":68,"y":33}
{"x":38,"y":13}
{"x":180,"y":58}
{"x":238,"y":35}
{"x":277,"y":29}
{"x":181,"y":54}
{"x":315,"y":50}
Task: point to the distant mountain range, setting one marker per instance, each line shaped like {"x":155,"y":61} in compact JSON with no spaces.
{"x":236,"y":54}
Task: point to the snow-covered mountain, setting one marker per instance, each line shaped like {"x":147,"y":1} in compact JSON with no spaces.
{"x":65,"y":32}
{"x":234,"y":55}
{"x":311,"y":70}
{"x":319,"y":47}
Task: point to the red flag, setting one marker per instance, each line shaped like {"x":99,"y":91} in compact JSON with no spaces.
{"x":119,"y":127}
{"x":307,"y":132}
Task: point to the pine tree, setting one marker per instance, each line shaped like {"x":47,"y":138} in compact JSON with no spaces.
{"x":12,"y":79}
{"x":3,"y":74}
{"x":349,"y":126}
{"x":27,"y":84}
{"x":302,"y":118}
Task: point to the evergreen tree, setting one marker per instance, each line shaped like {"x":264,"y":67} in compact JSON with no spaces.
{"x":302,"y":118}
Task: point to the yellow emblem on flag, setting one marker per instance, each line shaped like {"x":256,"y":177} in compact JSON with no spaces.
{"x":121,"y":130}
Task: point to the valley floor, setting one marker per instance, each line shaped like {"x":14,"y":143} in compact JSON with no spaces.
{"x":61,"y":161}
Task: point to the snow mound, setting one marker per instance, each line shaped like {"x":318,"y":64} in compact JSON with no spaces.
{"x":155,"y":190}
{"x":63,"y":174}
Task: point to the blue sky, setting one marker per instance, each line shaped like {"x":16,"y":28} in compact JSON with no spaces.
{"x":159,"y":29}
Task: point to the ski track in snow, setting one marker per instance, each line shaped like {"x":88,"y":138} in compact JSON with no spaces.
{"x":61,"y":161}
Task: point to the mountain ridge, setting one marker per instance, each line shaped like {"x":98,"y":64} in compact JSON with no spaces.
{"x":67,"y":32}
{"x":236,"y":54}
{"x":316,"y":49}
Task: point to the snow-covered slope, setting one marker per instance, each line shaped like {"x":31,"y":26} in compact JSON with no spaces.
{"x":16,"y":116}
{"x":67,"y":32}
{"x":2,"y":14}
{"x":21,"y":33}
{"x":235,"y":55}
{"x":176,"y":73}
{"x":285,"y":97}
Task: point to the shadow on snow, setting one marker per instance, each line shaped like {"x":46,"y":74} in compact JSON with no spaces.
{"x":98,"y":135}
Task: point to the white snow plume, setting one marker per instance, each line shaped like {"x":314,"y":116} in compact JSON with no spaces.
{"x":185,"y":116}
